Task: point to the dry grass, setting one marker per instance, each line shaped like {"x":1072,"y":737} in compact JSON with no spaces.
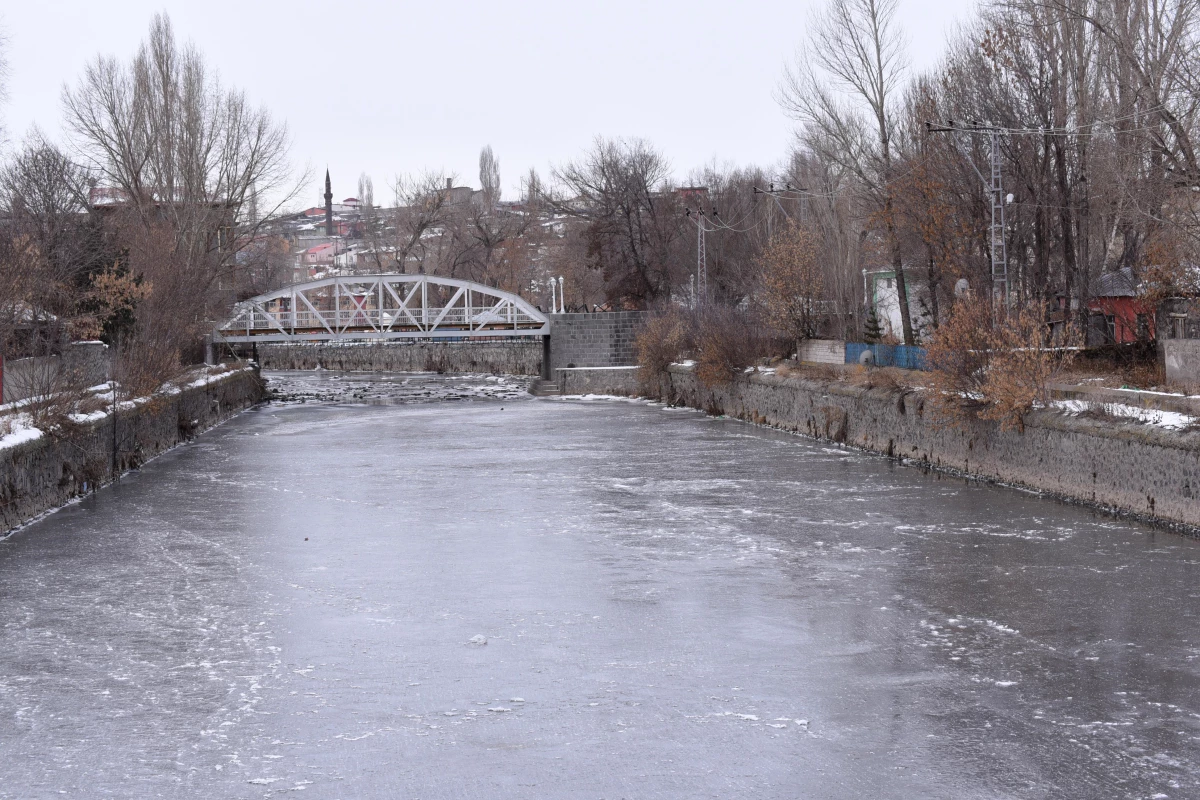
{"x":819,"y":372}
{"x":92,"y":404}
{"x":887,"y":378}
{"x":1113,"y":366}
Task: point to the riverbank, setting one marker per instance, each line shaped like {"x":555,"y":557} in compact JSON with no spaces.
{"x":40,"y":471}
{"x":1121,"y":466}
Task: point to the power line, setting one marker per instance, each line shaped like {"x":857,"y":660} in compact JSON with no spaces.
{"x":994,"y":184}
{"x":1076,"y":130}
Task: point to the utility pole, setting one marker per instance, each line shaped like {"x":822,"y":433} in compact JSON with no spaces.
{"x":994,"y":185}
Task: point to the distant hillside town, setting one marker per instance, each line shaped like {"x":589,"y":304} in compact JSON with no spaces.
{"x":434,"y":227}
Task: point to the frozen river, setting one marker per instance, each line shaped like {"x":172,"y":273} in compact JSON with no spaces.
{"x":424,"y":587}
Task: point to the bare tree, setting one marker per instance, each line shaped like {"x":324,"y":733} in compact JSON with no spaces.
{"x":633,"y":224}
{"x":489,"y":177}
{"x":843,"y":87}
{"x":184,"y":155}
{"x":831,"y":211}
{"x":3,"y":79}
{"x":375,"y":227}
{"x":44,"y":195}
{"x":421,"y":204}
{"x":182,"y":150}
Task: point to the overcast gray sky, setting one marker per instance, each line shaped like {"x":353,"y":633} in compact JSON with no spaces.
{"x":389,"y":87}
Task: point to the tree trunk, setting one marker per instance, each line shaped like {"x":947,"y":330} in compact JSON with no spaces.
{"x":898,"y":269}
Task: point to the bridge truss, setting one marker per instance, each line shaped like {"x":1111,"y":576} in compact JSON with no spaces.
{"x":386,"y":306}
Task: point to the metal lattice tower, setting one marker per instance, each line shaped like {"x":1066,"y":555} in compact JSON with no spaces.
{"x":999,"y":247}
{"x":701,"y":263}
{"x":994,"y":185}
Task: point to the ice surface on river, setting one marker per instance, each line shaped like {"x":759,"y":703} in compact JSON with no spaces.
{"x":436,"y":587}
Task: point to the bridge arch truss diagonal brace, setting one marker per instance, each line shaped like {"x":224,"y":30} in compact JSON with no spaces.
{"x":385,"y":306}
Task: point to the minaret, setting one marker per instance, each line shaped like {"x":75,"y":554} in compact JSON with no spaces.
{"x":328,"y":205}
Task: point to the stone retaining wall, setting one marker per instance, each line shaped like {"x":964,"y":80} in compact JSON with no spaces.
{"x":47,"y":472}
{"x":506,"y":357}
{"x":599,"y":380}
{"x":595,"y":340}
{"x":1125,"y":467}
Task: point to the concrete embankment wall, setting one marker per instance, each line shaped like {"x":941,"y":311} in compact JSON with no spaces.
{"x":1181,"y":361}
{"x":507,"y":357}
{"x":49,"y":471}
{"x":1127,"y":467}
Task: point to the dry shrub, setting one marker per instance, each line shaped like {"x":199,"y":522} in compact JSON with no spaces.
{"x":995,"y":363}
{"x":1098,"y":411}
{"x":793,"y":283}
{"x":728,"y":344}
{"x":1144,"y":376}
{"x":146,"y":363}
{"x":661,"y":343}
{"x":51,"y":389}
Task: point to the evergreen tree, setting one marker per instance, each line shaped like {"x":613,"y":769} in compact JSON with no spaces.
{"x":872,"y":330}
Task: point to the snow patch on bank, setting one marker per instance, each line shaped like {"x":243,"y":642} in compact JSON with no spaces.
{"x":1171,"y":420}
{"x":20,"y":432}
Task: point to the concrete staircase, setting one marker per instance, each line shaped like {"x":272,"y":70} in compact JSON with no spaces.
{"x":544,"y":388}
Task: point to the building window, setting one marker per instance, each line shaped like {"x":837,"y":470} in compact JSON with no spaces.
{"x":1176,"y":330}
{"x":1110,"y":324}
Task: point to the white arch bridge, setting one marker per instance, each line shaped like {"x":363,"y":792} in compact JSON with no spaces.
{"x":387,"y":306}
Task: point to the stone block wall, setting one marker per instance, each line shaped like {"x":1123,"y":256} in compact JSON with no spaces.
{"x":821,"y":351}
{"x":595,"y":340}
{"x":504,"y":357}
{"x":622,"y":381}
